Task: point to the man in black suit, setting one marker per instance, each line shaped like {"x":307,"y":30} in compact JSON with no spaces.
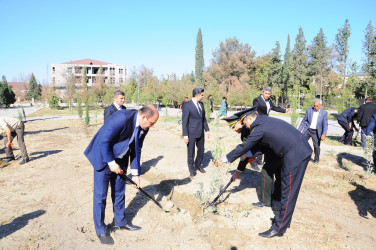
{"x":119,"y":100}
{"x":365,"y":113}
{"x":194,"y":125}
{"x":264,"y":104}
{"x":287,"y":143}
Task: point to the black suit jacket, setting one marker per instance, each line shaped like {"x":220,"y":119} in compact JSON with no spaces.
{"x":194,"y":124}
{"x":108,"y":111}
{"x":365,"y":113}
{"x":261,"y":106}
{"x":285,"y":141}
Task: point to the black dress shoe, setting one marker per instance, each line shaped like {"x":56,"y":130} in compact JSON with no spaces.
{"x":106,"y":239}
{"x":201,"y":170}
{"x":8,"y":159}
{"x":24,"y":161}
{"x":260,"y":204}
{"x":128,"y":227}
{"x":270,"y":233}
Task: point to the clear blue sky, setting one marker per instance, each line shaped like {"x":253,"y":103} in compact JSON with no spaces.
{"x":162,"y":34}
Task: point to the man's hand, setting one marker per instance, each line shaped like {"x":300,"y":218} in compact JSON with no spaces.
{"x":235,"y":176}
{"x":9,"y":145}
{"x":208,"y":134}
{"x":288,"y":111}
{"x":136,"y":179}
{"x":186,"y":139}
{"x":323,"y":137}
{"x":218,"y":163}
{"x":115,"y":168}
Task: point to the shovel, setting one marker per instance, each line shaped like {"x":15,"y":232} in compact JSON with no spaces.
{"x":143,"y":191}
{"x":220,"y":193}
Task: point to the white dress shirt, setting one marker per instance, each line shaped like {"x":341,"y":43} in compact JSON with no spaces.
{"x":267,"y":104}
{"x":315,"y":116}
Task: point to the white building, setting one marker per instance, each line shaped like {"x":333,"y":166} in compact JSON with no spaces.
{"x":111,"y":74}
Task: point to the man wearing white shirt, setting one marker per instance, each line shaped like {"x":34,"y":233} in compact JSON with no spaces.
{"x":194,"y":127}
{"x":118,"y":104}
{"x":315,"y":125}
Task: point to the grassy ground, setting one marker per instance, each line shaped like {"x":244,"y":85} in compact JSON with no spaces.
{"x":63,"y":112}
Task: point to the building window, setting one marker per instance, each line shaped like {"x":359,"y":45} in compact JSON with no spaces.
{"x":121,"y":71}
{"x":69,"y":70}
{"x":121,"y":80}
{"x":112,"y":71}
{"x":53,"y":69}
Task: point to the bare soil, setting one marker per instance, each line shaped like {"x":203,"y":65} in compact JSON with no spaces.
{"x":47,"y":203}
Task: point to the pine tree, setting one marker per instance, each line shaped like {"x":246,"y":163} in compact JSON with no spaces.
{"x":286,"y":68}
{"x":7,"y":96}
{"x":35,"y":90}
{"x":199,"y":58}
{"x":319,"y":61}
{"x":369,"y":49}
{"x":342,"y":46}
{"x":299,"y":64}
{"x":86,"y":96}
{"x":275,"y":72}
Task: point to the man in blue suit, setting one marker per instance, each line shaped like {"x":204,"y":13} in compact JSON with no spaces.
{"x":194,"y":126}
{"x":315,"y":125}
{"x":119,"y":140}
{"x":119,"y":100}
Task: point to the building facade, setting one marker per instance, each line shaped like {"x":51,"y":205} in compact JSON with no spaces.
{"x":111,"y":74}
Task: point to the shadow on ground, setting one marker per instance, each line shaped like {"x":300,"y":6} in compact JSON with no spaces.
{"x":41,"y":154}
{"x":358,"y":160}
{"x":364,"y":199}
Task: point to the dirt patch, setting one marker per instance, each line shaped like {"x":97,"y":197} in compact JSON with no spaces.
{"x":47,"y":203}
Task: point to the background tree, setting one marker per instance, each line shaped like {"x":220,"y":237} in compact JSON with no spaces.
{"x":35,"y":90}
{"x":275,"y":72}
{"x":199,"y":58}
{"x":286,"y":69}
{"x":342,"y":47}
{"x":99,"y":88}
{"x":70,"y":89}
{"x":85,"y":95}
{"x":7,"y":96}
{"x":299,"y":67}
{"x":369,"y":66}
{"x":319,"y":62}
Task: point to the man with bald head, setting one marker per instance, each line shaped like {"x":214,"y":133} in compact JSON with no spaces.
{"x":315,"y":125}
{"x":117,"y":142}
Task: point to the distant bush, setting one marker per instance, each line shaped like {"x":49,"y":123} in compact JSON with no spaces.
{"x":53,"y":102}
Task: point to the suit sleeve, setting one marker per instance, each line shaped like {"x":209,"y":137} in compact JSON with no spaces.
{"x":109,"y":134}
{"x":185,"y":119}
{"x":360,"y":115}
{"x":251,"y":142}
{"x":276,"y":108}
{"x":256,"y":103}
{"x":325,"y":123}
{"x":107,"y":113}
{"x":371,"y":125}
{"x":303,"y":122}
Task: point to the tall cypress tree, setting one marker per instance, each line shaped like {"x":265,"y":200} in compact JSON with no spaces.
{"x":319,"y":55}
{"x":275,"y":72}
{"x":199,"y":58}
{"x":342,"y":46}
{"x":34,"y":90}
{"x":369,"y":66}
{"x":286,"y":67}
{"x":7,"y":96}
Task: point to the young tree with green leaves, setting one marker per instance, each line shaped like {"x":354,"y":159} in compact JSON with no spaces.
{"x":275,"y":71}
{"x":369,"y":66}
{"x":319,"y":62}
{"x":85,"y":96}
{"x":286,"y":67}
{"x":7,"y":96}
{"x":342,"y":47}
{"x":34,"y":91}
{"x":199,"y":58}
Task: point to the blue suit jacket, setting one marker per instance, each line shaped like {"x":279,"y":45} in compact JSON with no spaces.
{"x":371,"y":127}
{"x":114,"y":138}
{"x":322,"y":122}
{"x":108,"y":111}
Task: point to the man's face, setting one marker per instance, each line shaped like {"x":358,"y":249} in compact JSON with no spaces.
{"x":248,"y":121}
{"x":146,"y":123}
{"x":266,"y":94}
{"x":185,"y":99}
{"x":317,"y":105}
{"x":238,"y":127}
{"x":120,"y":99}
{"x":199,"y":97}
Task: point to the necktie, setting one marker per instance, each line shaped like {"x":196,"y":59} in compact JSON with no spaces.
{"x":136,"y":148}
{"x":199,"y":109}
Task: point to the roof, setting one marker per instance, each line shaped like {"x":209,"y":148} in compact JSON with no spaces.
{"x":87,"y":61}
{"x":19,"y":85}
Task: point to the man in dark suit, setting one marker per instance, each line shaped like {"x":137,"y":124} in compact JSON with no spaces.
{"x":119,"y":140}
{"x":371,"y":127}
{"x":264,"y":104}
{"x":364,"y":115}
{"x":294,"y":152}
{"x":119,"y":100}
{"x":315,"y":125}
{"x":346,"y":120}
{"x":194,"y":127}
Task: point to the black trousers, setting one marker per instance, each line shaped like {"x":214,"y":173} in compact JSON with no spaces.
{"x":347,"y":136}
{"x":290,"y":187}
{"x":19,"y":132}
{"x":312,"y":133}
{"x":193,"y":163}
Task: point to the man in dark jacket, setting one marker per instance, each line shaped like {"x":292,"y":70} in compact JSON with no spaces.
{"x":264,"y":104}
{"x":119,"y":100}
{"x":346,"y":120}
{"x":287,"y":143}
{"x":364,"y":115}
{"x":372,"y":128}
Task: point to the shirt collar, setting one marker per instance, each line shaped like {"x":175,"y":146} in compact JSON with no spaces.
{"x":194,"y":101}
{"x":117,"y":105}
{"x":264,"y":99}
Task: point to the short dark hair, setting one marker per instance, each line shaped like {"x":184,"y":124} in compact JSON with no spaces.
{"x":118,"y":92}
{"x":147,"y":111}
{"x":252,"y":114}
{"x":197,"y":91}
